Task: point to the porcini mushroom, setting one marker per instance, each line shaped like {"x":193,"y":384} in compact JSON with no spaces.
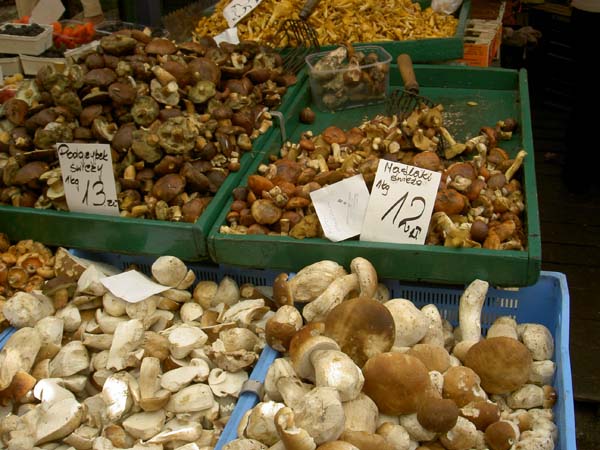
{"x":410,"y":323}
{"x":362,"y":327}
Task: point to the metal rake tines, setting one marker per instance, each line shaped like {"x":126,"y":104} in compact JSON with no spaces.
{"x":402,"y":103}
{"x":295,"y":41}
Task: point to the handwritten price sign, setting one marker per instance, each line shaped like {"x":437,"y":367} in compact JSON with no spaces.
{"x":88,"y":178}
{"x":401,"y":204}
{"x":238,"y":9}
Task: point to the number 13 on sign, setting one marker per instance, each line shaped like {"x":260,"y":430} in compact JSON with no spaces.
{"x":400,"y":205}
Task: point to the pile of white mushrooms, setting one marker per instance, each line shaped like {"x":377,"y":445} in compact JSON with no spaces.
{"x":364,"y":372}
{"x":88,"y":370}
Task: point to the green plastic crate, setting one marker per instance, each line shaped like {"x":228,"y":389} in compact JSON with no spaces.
{"x":422,"y":50}
{"x":499,"y":93}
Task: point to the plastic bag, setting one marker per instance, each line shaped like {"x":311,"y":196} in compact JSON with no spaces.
{"x":445,"y":6}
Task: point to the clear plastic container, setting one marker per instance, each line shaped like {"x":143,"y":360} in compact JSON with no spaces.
{"x":350,"y":86}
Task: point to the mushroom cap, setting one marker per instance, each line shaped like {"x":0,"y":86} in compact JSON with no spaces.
{"x":310,"y":329}
{"x":282,"y":326}
{"x":362,"y":327}
{"x":461,"y":384}
{"x":502,"y":363}
{"x":396,"y":382}
{"x":438,"y":414}
{"x":482,"y":413}
{"x":500,"y":435}
{"x":300,"y":354}
{"x":433,"y":356}
{"x":160,"y":46}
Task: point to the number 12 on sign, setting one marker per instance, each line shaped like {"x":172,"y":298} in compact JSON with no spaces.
{"x":400,"y":204}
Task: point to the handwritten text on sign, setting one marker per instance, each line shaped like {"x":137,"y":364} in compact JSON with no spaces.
{"x":341,"y":207}
{"x":236,"y":10}
{"x":401,"y":204}
{"x":88,"y":178}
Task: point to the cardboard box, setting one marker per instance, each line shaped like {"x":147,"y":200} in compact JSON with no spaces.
{"x":482,"y":42}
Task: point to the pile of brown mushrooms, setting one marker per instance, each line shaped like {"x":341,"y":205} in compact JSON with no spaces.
{"x":86,"y":369}
{"x":362,"y":371}
{"x":24,"y":266}
{"x":479,"y":203}
{"x":178,"y":119}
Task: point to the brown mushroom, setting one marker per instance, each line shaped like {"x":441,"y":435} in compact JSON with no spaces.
{"x":15,"y":110}
{"x":462,"y":385}
{"x":438,"y":415}
{"x":396,"y":382}
{"x":501,"y":435}
{"x":160,"y":46}
{"x":168,"y":187}
{"x":362,"y":327}
{"x":502,"y":363}
{"x":434,"y":357}
{"x":122,"y":93}
{"x":481,"y":413}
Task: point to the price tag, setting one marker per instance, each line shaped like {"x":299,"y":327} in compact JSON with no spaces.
{"x":229,"y":35}
{"x":236,"y":10}
{"x":401,"y":204}
{"x":341,"y":207}
{"x":132,"y":286}
{"x":87,"y":174}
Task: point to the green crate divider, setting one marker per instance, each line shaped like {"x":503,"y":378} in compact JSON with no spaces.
{"x":500,"y":93}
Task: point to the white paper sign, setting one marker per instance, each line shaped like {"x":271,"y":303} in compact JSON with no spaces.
{"x":341,"y":207}
{"x":132,"y":286}
{"x":236,"y":10}
{"x":87,"y":174}
{"x":229,"y":35}
{"x":47,"y":11}
{"x":401,"y":204}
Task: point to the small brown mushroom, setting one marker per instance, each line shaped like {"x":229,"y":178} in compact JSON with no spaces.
{"x":160,"y":46}
{"x":168,"y":187}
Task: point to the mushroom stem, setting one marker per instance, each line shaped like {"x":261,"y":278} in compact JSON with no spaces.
{"x":469,"y":313}
{"x":447,"y":136}
{"x":510,"y":172}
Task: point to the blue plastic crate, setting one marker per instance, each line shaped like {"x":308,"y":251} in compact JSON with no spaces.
{"x":546,"y":302}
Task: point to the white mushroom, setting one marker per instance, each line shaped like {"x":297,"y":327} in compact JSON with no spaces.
{"x":462,"y":437}
{"x":127,"y":339}
{"x":107,"y":323}
{"x":538,"y":339}
{"x":196,"y":397}
{"x":71,"y":318}
{"x":226,"y":383}
{"x":335,"y":369}
{"x":204,"y":293}
{"x":532,"y":396}
{"x":361,"y":414}
{"x":191,"y":312}
{"x":503,"y":326}
{"x":542,"y":372}
{"x":97,"y":341}
{"x":260,"y":423}
{"x":244,"y":444}
{"x":19,"y":353}
{"x":152,"y":397}
{"x":469,"y":316}
{"x":71,"y":359}
{"x":395,"y":435}
{"x":143,"y":309}
{"x":144,"y":425}
{"x":57,"y":420}
{"x":116,"y":395}
{"x":184,"y":338}
{"x":335,"y":293}
{"x":240,"y":339}
{"x":113,"y":305}
{"x":435,"y":330}
{"x":25,"y":310}
{"x":244,"y":312}
{"x":311,"y":281}
{"x":177,"y":295}
{"x":178,"y":430}
{"x":281,"y":368}
{"x":321,"y":414}
{"x":176,"y":379}
{"x":89,"y":282}
{"x":82,"y":438}
{"x":411,"y":324}
{"x":367,"y":276}
{"x":415,"y":430}
{"x":51,"y":334}
{"x":293,"y":438}
{"x":228,"y":292}
{"x":169,"y":271}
